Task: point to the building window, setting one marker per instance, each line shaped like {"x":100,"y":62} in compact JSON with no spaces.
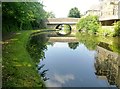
{"x":113,"y":11}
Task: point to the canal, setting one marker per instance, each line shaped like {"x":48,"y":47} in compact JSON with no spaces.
{"x":76,"y":61}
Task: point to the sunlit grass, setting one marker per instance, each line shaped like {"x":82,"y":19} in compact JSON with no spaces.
{"x":19,"y":70}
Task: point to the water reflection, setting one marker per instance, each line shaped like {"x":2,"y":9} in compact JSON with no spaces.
{"x":108,"y":64}
{"x":58,"y":80}
{"x":43,"y":72}
{"x":69,"y":62}
{"x":73,"y":45}
{"x":36,"y":46}
{"x":70,"y":68}
{"x":90,"y":41}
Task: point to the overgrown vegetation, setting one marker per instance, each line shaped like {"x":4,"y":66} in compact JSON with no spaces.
{"x":110,"y":31}
{"x":117,"y":28}
{"x":91,"y":25}
{"x":22,"y":16}
{"x":19,"y":69}
{"x":88,"y":24}
{"x":106,"y":31}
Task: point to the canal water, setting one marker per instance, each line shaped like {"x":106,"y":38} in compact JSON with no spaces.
{"x":80,"y":61}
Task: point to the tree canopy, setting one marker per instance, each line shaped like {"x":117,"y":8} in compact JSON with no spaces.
{"x":22,"y":15}
{"x":89,"y":24}
{"x":50,"y":15}
{"x":74,"y":12}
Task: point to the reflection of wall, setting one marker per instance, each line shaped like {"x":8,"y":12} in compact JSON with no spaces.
{"x":118,"y":80}
{"x":108,"y":64}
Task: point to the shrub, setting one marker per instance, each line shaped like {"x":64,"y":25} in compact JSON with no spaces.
{"x":90,"y":23}
{"x":117,"y":28}
{"x":106,"y":31}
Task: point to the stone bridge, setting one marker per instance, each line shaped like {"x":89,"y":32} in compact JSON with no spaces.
{"x":52,"y":23}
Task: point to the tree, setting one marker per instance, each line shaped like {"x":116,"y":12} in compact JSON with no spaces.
{"x":50,"y":15}
{"x":21,"y":15}
{"x":74,"y":12}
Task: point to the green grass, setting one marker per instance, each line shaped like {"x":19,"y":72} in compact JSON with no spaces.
{"x":18,"y":69}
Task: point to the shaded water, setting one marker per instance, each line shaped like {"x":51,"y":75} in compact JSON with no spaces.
{"x":83,"y":62}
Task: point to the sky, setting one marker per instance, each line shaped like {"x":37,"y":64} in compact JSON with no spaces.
{"x":61,"y":7}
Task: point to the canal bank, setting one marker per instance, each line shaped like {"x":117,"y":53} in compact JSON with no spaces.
{"x":18,"y":68}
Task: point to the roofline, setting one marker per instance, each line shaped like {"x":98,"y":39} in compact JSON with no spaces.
{"x":109,"y":18}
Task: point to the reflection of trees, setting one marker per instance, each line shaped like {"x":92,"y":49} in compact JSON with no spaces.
{"x":36,"y":46}
{"x":50,"y":43}
{"x":90,"y":41}
{"x":116,"y":45}
{"x":107,"y":64}
{"x":73,"y":45}
{"x":43,"y":72}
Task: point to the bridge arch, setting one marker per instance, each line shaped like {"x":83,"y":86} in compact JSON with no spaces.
{"x":63,"y":29}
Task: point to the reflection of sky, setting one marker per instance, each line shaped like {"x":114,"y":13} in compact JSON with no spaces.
{"x":71,"y":68}
{"x":58,"y":80}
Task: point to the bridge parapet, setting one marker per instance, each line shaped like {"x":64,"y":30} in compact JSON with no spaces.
{"x":62,"y":20}
{"x":53,"y":22}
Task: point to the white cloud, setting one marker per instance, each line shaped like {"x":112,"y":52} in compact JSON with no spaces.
{"x":61,"y":7}
{"x":57,"y":80}
{"x":62,"y":79}
{"x":60,"y":45}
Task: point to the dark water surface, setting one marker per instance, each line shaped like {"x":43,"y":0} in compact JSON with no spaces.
{"x":85,"y":62}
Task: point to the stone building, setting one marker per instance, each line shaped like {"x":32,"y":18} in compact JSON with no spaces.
{"x":109,"y":12}
{"x":94,"y":10}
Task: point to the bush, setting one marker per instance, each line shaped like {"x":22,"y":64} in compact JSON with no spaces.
{"x":106,"y":32}
{"x":117,"y":28}
{"x":89,"y":23}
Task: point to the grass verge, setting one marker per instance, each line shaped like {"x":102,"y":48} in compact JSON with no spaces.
{"x":18,"y":69}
